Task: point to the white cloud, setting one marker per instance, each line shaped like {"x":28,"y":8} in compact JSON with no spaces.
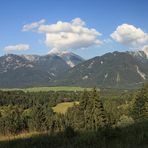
{"x":130,"y":36}
{"x":107,"y":41}
{"x":33,"y":25}
{"x":69,"y":35}
{"x":78,"y":22}
{"x":18,"y":47}
{"x":145,"y":49}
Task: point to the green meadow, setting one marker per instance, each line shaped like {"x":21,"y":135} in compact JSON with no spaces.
{"x":45,"y":89}
{"x":63,"y":107}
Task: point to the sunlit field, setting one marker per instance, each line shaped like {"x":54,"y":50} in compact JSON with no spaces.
{"x":63,"y":107}
{"x":46,"y":89}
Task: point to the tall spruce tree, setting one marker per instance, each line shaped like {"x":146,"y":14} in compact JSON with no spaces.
{"x":98,"y":118}
{"x":38,"y":120}
{"x":140,"y":105}
{"x":84,"y":109}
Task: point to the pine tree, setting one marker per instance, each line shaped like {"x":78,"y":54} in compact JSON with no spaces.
{"x":140,"y":105}
{"x":38,"y":118}
{"x":11,"y":120}
{"x":145,"y":113}
{"x":84,"y":109}
{"x":98,"y":118}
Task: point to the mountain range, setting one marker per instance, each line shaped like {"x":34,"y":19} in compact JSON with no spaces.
{"x":117,"y":70}
{"x":34,"y":70}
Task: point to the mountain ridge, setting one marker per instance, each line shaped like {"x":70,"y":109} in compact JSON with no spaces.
{"x":117,"y":69}
{"x":32,"y":70}
{"x":113,"y":69}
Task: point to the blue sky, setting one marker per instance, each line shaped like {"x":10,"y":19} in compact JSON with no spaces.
{"x":102,"y":15}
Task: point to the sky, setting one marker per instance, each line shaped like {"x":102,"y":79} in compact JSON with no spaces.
{"x":86,"y":27}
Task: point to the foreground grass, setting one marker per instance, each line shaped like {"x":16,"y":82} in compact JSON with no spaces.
{"x":45,"y":89}
{"x":63,"y":107}
{"x":134,"y":136}
{"x":19,"y":136}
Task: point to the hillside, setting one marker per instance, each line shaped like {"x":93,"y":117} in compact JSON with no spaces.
{"x":34,"y":70}
{"x":117,"y":69}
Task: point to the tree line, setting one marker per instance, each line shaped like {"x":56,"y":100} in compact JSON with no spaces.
{"x":29,"y":112}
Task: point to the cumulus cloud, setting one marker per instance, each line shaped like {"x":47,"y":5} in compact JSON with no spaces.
{"x":69,"y":35}
{"x":33,"y":25}
{"x":108,"y":40}
{"x":78,"y":21}
{"x":18,"y":47}
{"x":130,"y":36}
{"x":145,"y":49}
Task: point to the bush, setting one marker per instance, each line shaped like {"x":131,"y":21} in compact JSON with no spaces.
{"x":125,"y":121}
{"x":69,"y":132}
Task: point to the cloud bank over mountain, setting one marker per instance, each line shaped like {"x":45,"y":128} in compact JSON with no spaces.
{"x":75,"y":34}
{"x":130,"y":36}
{"x":33,"y":26}
{"x":18,"y":47}
{"x":66,"y":35}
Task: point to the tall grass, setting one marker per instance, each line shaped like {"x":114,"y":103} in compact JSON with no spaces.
{"x":134,"y":136}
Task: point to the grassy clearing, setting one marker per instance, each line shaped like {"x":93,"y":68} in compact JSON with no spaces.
{"x":63,"y":107}
{"x":45,"y":89}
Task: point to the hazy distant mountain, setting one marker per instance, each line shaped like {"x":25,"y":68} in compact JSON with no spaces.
{"x":117,"y":69}
{"x":70,"y":58}
{"x":34,"y":70}
{"x":140,"y":54}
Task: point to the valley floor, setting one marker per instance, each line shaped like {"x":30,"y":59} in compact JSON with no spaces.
{"x":46,"y":89}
